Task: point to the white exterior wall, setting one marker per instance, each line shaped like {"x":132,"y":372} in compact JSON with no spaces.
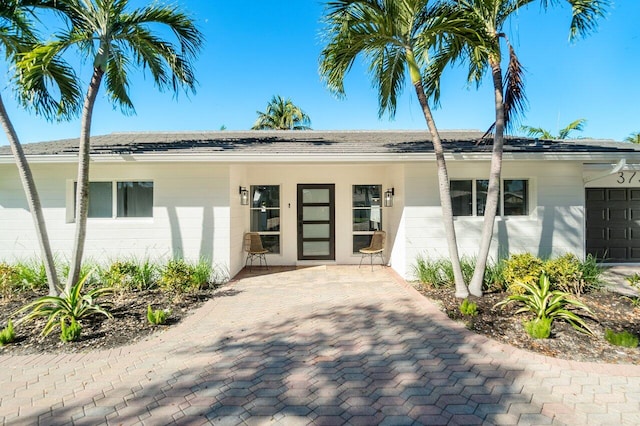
{"x":239,"y":218}
{"x":191,"y":213}
{"x":554,"y":226}
{"x":197,"y":211}
{"x":288,"y":176}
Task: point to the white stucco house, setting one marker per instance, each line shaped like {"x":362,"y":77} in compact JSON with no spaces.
{"x":317,"y":196}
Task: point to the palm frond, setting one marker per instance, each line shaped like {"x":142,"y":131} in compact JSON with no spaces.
{"x":537,"y":132}
{"x":515,"y":100}
{"x":577,"y":125}
{"x":46,"y":83}
{"x":117,"y":82}
{"x":282,"y":114}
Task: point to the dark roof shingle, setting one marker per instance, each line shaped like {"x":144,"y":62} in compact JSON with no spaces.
{"x":310,"y":142}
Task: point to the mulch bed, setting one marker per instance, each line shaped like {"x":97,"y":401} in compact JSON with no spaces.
{"x":128,"y":325}
{"x":612,"y":311}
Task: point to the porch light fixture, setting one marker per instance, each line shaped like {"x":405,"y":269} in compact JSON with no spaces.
{"x":388,"y":197}
{"x":244,"y":196}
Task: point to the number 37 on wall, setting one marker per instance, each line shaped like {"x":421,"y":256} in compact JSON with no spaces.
{"x":627,"y":178}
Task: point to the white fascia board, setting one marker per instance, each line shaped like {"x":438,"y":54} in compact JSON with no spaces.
{"x":47,"y":159}
{"x":225,"y":157}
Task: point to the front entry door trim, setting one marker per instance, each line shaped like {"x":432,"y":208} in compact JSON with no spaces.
{"x":316,"y":222}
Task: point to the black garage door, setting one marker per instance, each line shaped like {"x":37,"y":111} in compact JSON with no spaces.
{"x":613,"y":224}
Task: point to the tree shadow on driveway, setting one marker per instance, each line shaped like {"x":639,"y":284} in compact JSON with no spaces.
{"x":352,"y":364}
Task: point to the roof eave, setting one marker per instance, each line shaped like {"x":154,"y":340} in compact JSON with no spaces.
{"x":225,"y":157}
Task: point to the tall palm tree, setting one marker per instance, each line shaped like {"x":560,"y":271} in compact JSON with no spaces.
{"x":282,"y":114}
{"x":539,"y":132}
{"x":633,"y":138}
{"x":116,"y":40}
{"x":16,"y":37}
{"x":488,"y":19}
{"x":394,"y":37}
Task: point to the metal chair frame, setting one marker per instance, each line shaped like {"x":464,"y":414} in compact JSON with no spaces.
{"x":375,"y":248}
{"x":253,"y":247}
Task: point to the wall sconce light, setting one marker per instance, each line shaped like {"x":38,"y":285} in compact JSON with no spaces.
{"x":244,"y":196}
{"x":388,"y":197}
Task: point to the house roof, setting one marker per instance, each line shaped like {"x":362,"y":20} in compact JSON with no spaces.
{"x":232,"y":144}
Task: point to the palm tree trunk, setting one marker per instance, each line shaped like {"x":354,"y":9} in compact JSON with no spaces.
{"x":493,"y":192}
{"x":82,"y":190}
{"x":33,"y":200}
{"x":443,"y":180}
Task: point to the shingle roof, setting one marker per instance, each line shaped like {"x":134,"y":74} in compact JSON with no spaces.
{"x":310,"y":142}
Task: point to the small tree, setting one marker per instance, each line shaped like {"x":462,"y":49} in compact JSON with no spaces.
{"x":394,"y":37}
{"x":484,"y":53}
{"x":539,"y":132}
{"x":17,"y":38}
{"x":282,"y":114}
{"x":633,"y":138}
{"x":116,"y":39}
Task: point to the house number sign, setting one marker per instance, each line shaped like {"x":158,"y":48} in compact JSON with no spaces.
{"x":628,"y":178}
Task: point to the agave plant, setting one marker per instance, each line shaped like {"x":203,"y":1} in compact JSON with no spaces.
{"x":549,"y":305}
{"x":66,"y":309}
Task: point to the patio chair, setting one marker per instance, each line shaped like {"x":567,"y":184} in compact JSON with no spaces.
{"x":254,"y":249}
{"x":376,"y":248}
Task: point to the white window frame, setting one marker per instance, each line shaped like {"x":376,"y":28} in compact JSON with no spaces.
{"x":71,"y":195}
{"x":279,"y":208}
{"x":355,"y":233}
{"x":474,"y":197}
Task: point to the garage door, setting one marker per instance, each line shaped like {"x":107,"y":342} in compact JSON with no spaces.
{"x":613,"y":224}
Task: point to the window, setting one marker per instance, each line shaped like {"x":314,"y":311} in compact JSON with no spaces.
{"x":367,"y":214}
{"x":132,"y":199}
{"x":515,"y":200}
{"x":135,"y":199}
{"x":469,"y":197}
{"x":265,"y":215}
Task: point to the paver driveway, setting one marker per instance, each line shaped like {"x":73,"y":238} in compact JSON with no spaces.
{"x":322,"y":345}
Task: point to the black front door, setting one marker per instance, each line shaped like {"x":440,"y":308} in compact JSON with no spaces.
{"x":316,"y":222}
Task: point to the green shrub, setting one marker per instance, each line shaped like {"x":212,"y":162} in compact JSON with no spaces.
{"x":494,"y":276}
{"x":565,"y":273}
{"x":71,"y":332}
{"x":591,"y":273}
{"x":430,"y":272}
{"x":521,"y":269}
{"x":8,"y":334}
{"x":157,"y":316}
{"x":9,"y":280}
{"x":202,"y":274}
{"x":179,"y":276}
{"x":469,"y":308}
{"x":33,"y":275}
{"x":539,"y":300}
{"x":624,"y":338}
{"x":130,"y":275}
{"x":634,"y":280}
{"x":62,"y":310}
{"x":539,"y":328}
{"x":176,"y":277}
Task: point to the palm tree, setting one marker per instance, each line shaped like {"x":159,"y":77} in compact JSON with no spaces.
{"x":116,"y":40}
{"x":633,"y":138}
{"x":394,"y":37}
{"x":488,"y":18}
{"x":539,"y":132}
{"x":16,"y":37}
{"x":282,"y":114}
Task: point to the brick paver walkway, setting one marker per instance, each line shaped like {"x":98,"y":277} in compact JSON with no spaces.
{"x":323,"y":346}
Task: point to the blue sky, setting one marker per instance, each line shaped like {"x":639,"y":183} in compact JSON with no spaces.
{"x":266,"y":47}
